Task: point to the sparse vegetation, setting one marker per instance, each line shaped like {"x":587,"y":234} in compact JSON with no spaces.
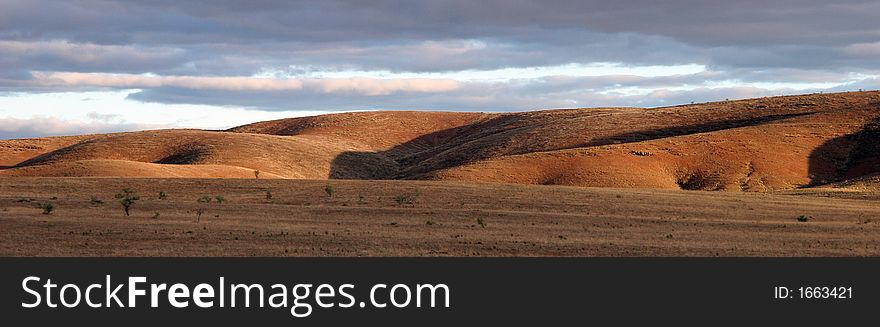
{"x":205,"y":199}
{"x":162,"y":195}
{"x":402,"y":199}
{"x":481,"y":222}
{"x":156,"y":215}
{"x":698,"y":180}
{"x":96,"y":201}
{"x":220,"y":199}
{"x":804,"y":218}
{"x":429,"y":223}
{"x":47,"y":208}
{"x":199,"y":213}
{"x":268,"y":195}
{"x":127,"y":198}
{"x":329,"y":190}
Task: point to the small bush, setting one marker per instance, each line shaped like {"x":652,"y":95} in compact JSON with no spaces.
{"x":47,"y":208}
{"x":429,"y":223}
{"x":205,"y":199}
{"x":268,"y":195}
{"x":156,"y":215}
{"x":402,"y":199}
{"x":804,"y":219}
{"x":199,"y":213}
{"x":96,"y":201}
{"x":329,"y":190}
{"x":220,"y":198}
{"x":481,"y":222}
{"x":127,"y":198}
{"x":162,"y":196}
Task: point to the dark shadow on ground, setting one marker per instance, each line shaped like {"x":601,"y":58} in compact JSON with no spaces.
{"x":846,"y":157}
{"x":465,"y":144}
{"x":49,"y":156}
{"x":648,"y":135}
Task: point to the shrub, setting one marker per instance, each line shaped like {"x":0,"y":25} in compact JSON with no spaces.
{"x":199,"y":213}
{"x":268,"y":195}
{"x":429,"y":223}
{"x":96,"y":201}
{"x":156,"y":216}
{"x":804,"y":218}
{"x":127,"y":198}
{"x":220,"y":198}
{"x":329,"y":190}
{"x":162,"y":195}
{"x":402,"y":199}
{"x":481,"y":222}
{"x":47,"y":208}
{"x":205,"y":199}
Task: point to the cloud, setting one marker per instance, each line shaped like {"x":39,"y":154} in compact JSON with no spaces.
{"x":358,"y":85}
{"x":278,"y":55}
{"x":66,"y":55}
{"x":219,"y":37}
{"x":871,"y":50}
{"x":13,"y":128}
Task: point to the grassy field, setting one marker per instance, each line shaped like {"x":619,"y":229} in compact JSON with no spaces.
{"x":420,"y":218}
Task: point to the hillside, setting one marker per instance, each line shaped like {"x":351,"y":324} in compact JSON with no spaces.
{"x":748,"y":145}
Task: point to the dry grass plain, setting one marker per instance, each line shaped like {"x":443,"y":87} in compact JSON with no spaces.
{"x":376,"y":218}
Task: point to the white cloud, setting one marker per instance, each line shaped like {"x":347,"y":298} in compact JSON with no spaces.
{"x":359,"y":85}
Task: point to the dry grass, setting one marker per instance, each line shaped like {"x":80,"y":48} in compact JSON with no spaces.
{"x":364,"y":219}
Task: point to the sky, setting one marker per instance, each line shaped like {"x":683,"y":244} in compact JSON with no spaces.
{"x":96,"y":66}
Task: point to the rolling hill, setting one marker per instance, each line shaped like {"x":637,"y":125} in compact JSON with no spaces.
{"x":761,"y":144}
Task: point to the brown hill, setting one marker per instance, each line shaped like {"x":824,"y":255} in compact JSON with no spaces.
{"x":749,"y":145}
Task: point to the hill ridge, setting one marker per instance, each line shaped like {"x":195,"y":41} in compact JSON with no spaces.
{"x":760,"y":144}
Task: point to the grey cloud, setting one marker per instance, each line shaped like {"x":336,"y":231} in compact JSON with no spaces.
{"x":522,"y":94}
{"x":803,"y":41}
{"x":12,"y":128}
{"x":779,"y":33}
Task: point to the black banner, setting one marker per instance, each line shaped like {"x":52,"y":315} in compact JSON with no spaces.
{"x":492,"y":291}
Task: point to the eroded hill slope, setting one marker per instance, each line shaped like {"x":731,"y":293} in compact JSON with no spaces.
{"x":749,"y":145}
